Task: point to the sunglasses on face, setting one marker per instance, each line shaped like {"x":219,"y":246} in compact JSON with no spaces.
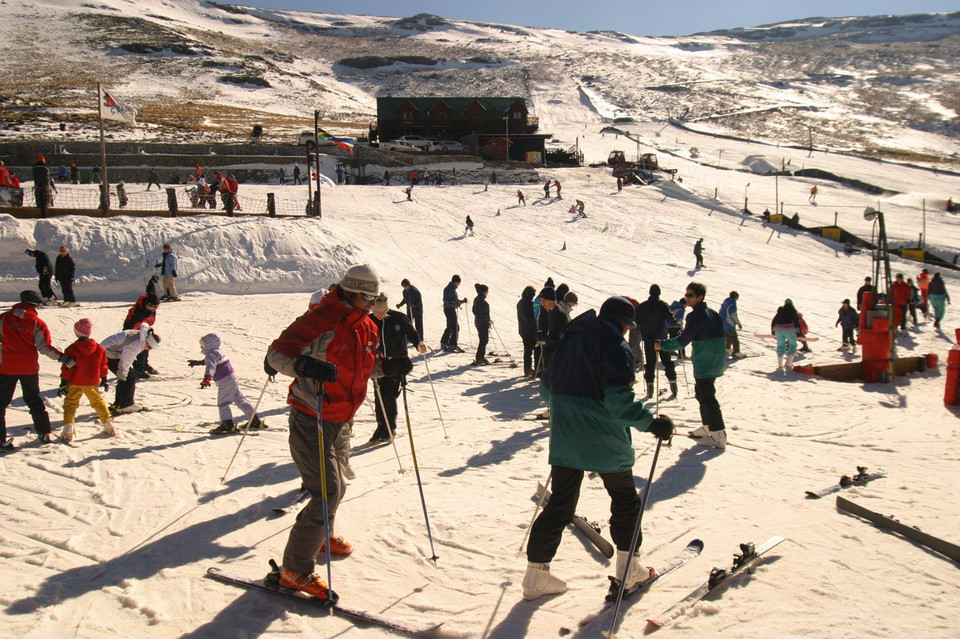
{"x":368,"y":298}
{"x":689,"y":295}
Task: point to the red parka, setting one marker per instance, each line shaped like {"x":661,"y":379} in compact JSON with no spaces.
{"x":91,"y":359}
{"x":23,"y":336}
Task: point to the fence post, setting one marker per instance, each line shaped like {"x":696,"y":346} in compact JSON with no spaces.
{"x":172,"y":201}
{"x":271,"y":205}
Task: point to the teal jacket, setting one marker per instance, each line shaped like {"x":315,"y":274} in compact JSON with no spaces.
{"x":590,"y":393}
{"x":705,"y":329}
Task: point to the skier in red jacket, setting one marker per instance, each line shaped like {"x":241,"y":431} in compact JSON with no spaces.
{"x":83,"y":379}
{"x":23,"y":336}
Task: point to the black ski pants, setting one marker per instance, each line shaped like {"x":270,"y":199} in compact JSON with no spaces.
{"x":705,"y":391}
{"x":126,"y":388}
{"x":46,"y":290}
{"x":625,"y":507}
{"x":530,"y":351}
{"x":30,"y":387}
{"x":389,"y":392}
{"x":483,"y":336}
{"x":452,"y":332}
{"x":66,"y":287}
{"x":415,"y":315}
{"x":650,"y":359}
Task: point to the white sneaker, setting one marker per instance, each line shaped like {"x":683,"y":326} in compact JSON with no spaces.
{"x":66,"y":433}
{"x":780,"y":362}
{"x":636,"y":575}
{"x":108,"y":429}
{"x":539,"y":582}
{"x":702,"y":431}
{"x":714,"y":439}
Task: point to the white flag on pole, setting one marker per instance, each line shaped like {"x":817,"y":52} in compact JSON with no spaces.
{"x":110,"y":109}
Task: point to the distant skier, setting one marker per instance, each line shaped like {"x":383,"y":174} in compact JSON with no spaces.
{"x":848,"y":320}
{"x":122,"y":194}
{"x":785,"y":326}
{"x":409,"y":192}
{"x":481,"y":319}
{"x":64,"y":272}
{"x":546,"y":190}
{"x":520,"y":198}
{"x":866,"y":288}
{"x":653,"y":317}
{"x":469,"y":228}
{"x":698,"y":252}
{"x":217,"y":368}
{"x":45,"y":271}
{"x":813,"y":194}
{"x":527,"y":327}
{"x":168,"y":273}
{"x":619,"y":184}
{"x":296,"y":174}
{"x":939,"y":298}
{"x":556,"y":184}
{"x":451,"y":304}
{"x":41,"y":185}
{"x":901,"y":300}
{"x":413,"y":300}
{"x":581,"y":207}
{"x":154,"y":178}
{"x":731,"y":322}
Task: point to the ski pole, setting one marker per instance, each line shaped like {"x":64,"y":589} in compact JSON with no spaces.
{"x":502,"y":345}
{"x":416,"y":469}
{"x":683,"y":368}
{"x":536,"y":509}
{"x":383,"y":409}
{"x":249,"y":421}
{"x":323,"y":490}
{"x":633,"y":543}
{"x":436,"y":401}
{"x":466,"y":320}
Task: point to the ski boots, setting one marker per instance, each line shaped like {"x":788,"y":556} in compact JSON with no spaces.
{"x":225,"y":428}
{"x":66,"y":433}
{"x":306,"y":583}
{"x":338,"y":546}
{"x":538,"y":581}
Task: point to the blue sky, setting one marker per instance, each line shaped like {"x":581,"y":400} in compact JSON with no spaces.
{"x":659,"y":17}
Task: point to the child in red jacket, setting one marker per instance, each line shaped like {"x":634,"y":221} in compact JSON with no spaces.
{"x":83,"y":379}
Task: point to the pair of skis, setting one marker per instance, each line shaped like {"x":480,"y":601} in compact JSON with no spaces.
{"x":846,"y":481}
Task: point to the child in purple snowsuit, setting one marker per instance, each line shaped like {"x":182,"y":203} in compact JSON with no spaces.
{"x":217,"y":368}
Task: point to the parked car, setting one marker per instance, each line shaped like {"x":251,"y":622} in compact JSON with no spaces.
{"x":399,"y":145}
{"x":449,"y":146}
{"x":416,"y":140}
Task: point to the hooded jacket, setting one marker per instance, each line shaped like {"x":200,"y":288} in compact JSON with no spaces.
{"x":91,"y":359}
{"x":481,"y":310}
{"x":139,"y":314}
{"x":341,"y":334}
{"x":124,"y":347}
{"x":590,"y":394}
{"x":653,"y":315}
{"x":23,"y":336}
{"x":64,"y":269}
{"x":526,"y":322}
{"x":216,"y":364}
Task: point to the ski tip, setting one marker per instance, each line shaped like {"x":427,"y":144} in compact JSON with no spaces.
{"x":812,"y":495}
{"x":696,"y":544}
{"x":653,"y":624}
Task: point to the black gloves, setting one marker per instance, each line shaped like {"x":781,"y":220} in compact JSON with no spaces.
{"x":63,"y":388}
{"x":317,"y":369}
{"x":396,"y":366}
{"x":196,"y":362}
{"x":157,"y":265}
{"x":174,"y":273}
{"x":104,"y":385}
{"x":400,"y":304}
{"x":661,"y":427}
{"x":66,"y":361}
{"x":268,"y":369}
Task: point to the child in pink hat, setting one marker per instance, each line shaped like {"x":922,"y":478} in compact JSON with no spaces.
{"x":84,"y":379}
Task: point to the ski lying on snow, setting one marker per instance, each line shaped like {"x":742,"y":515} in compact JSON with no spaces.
{"x":350,"y":613}
{"x":718,"y":577}
{"x":691,"y":552}
{"x":592,"y":531}
{"x":942,"y":546}
{"x":846,"y":481}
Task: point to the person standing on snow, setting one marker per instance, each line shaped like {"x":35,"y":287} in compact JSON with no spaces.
{"x":546,"y":190}
{"x":704,"y":329}
{"x":653,"y":317}
{"x":698,"y":252}
{"x":731,"y":322}
{"x":217,"y":368}
{"x":848,"y":321}
{"x":527,"y":327}
{"x":168,"y":271}
{"x":64,"y":271}
{"x":592,"y":407}
{"x":468,"y":230}
{"x":296,"y":174}
{"x":45,"y":271}
{"x":413,"y":300}
{"x":23,"y":336}
{"x":481,"y":319}
{"x":143,"y":312}
{"x":901,"y":299}
{"x":520,"y":198}
{"x":395,"y":332}
{"x":154,"y":178}
{"x":785,"y":326}
{"x":923,"y":283}
{"x":451,"y":304}
{"x":83,"y":379}
{"x":938,"y":298}
{"x":331,"y":353}
{"x":556,"y":184}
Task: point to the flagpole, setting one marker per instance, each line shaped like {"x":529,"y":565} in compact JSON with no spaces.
{"x":105,"y":184}
{"x":316,"y":141}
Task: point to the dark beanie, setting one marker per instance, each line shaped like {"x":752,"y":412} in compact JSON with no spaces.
{"x":153,"y":300}
{"x":571,"y":298}
{"x":619,"y":310}
{"x":481,"y":288}
{"x":562,"y":291}
{"x":455,"y":278}
{"x":549,"y":282}
{"x":654,"y":290}
{"x":548,"y":293}
{"x":31,"y":297}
